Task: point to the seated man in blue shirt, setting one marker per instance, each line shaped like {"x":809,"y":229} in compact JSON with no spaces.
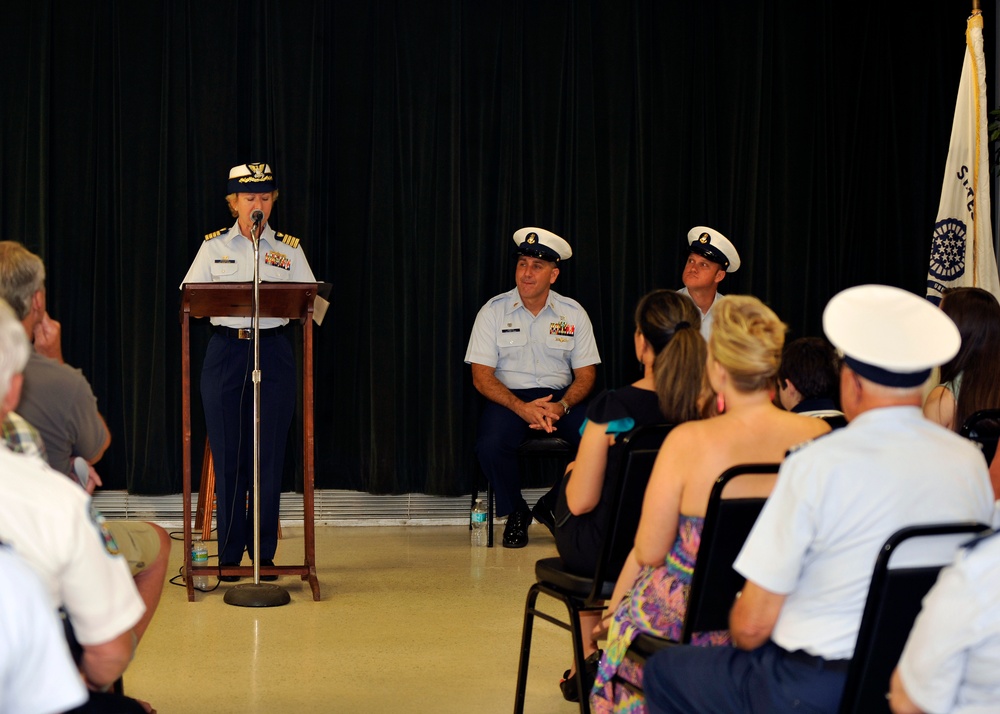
{"x":534,"y":358}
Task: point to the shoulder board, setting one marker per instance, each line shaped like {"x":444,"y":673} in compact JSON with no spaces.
{"x":288,"y":240}
{"x":210,"y":236}
{"x":798,"y":447}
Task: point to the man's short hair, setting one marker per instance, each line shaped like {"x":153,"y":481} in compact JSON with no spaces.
{"x":14,"y":347}
{"x":812,"y":365}
{"x":22,"y":274}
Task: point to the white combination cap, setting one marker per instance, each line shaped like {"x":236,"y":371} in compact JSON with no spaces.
{"x":540,"y":243}
{"x":250,"y":178}
{"x":888,"y":335}
{"x":711,"y":244}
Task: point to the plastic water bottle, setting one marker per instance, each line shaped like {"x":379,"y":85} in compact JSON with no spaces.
{"x":199,"y":556}
{"x":479,"y":524}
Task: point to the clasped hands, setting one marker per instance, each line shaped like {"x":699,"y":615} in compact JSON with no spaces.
{"x":542,"y":413}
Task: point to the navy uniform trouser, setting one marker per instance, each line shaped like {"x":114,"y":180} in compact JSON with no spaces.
{"x":725,"y":679}
{"x":501,"y":431}
{"x":228,"y":397}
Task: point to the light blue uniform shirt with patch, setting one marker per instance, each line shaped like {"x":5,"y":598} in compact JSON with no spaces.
{"x":228,"y":258}
{"x":528,"y":350}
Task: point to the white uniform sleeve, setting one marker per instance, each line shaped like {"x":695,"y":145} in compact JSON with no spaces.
{"x":933,"y":661}
{"x":97,"y":588}
{"x":584,"y":346}
{"x":774,"y":552}
{"x":483,"y":341}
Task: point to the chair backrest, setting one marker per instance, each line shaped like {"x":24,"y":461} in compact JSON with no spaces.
{"x":894,"y":597}
{"x":728,"y":521}
{"x":639,"y":449}
{"x":983,"y":427}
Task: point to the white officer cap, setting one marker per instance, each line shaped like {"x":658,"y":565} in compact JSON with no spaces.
{"x":251,"y":178}
{"x":711,"y":244}
{"x":888,"y":335}
{"x":540,"y":243}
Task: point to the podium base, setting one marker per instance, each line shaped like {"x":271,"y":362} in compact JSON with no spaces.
{"x":257,"y":595}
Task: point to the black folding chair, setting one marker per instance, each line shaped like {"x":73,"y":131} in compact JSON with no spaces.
{"x":894,"y":600}
{"x":541,"y":459}
{"x":714,"y":583}
{"x":578,"y":593}
{"x":983,"y":427}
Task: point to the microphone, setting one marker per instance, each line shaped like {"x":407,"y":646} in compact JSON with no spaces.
{"x":257,"y":216}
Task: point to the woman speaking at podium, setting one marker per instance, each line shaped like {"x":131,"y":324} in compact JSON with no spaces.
{"x":227,"y":391}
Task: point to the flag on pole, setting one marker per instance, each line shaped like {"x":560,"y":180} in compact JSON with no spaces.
{"x":962,"y":249}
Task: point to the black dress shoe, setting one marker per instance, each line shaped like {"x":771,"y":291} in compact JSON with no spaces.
{"x":515,"y":533}
{"x":567,"y":685}
{"x":267,"y":578}
{"x":229,"y":578}
{"x":544,"y":513}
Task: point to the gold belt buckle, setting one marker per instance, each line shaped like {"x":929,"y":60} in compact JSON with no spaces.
{"x":244,"y":333}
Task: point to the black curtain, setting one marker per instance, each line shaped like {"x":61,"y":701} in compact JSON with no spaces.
{"x":410,"y":139}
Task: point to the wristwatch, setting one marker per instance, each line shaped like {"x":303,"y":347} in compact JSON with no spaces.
{"x":565,"y":406}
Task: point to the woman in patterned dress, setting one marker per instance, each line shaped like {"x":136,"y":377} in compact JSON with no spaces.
{"x":744,"y":352}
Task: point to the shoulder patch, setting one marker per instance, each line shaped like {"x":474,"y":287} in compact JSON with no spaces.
{"x":210,"y":236}
{"x":97,"y":518}
{"x":288,"y":240}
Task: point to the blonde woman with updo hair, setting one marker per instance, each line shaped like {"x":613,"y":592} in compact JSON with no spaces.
{"x":744,"y":352}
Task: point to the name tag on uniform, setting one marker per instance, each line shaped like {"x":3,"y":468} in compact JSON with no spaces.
{"x":510,"y":329}
{"x":225,"y":260}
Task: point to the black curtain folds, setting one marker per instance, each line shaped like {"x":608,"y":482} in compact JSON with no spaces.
{"x":410,"y":139}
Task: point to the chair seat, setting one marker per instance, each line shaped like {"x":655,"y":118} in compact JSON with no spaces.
{"x":543,"y":445}
{"x":553,"y":573}
{"x":646,"y":645}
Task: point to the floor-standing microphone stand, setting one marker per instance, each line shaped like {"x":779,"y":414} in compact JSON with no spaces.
{"x":256,"y":594}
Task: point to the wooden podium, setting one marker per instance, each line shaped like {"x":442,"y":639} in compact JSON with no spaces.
{"x":295,"y":302}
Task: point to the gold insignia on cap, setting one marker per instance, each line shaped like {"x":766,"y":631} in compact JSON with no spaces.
{"x":532,"y":238}
{"x":257,"y":170}
{"x":210,"y":236}
{"x":704,"y":238}
{"x":288,"y":240}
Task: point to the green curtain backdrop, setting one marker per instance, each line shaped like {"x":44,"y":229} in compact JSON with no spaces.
{"x":410,"y":139}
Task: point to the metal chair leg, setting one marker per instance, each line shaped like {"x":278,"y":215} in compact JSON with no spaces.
{"x":489,"y":514}
{"x":522,"y":665}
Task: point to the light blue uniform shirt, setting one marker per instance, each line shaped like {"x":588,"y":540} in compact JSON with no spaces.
{"x":528,"y":350}
{"x":228,"y":258}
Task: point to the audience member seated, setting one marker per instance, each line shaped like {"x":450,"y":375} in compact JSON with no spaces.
{"x":971,"y":380}
{"x":49,"y":522}
{"x":744,"y":351}
{"x":36,"y":668}
{"x":58,"y":402}
{"x":950,"y":660}
{"x":671,"y":350}
{"x":808,"y":379}
{"x":809,"y":558}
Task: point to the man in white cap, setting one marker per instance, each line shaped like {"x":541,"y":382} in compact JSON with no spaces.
{"x":533,"y":358}
{"x":227,"y":389}
{"x":711,"y":256}
{"x":809,"y":558}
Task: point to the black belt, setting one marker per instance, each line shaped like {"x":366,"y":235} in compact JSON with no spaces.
{"x":246,"y":333}
{"x":817,"y":662}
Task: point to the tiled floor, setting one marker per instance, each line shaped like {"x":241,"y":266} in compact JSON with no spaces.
{"x":412,"y":619}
